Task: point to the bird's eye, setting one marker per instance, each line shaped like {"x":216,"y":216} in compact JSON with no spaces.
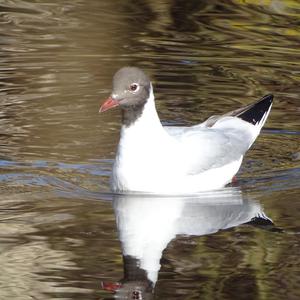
{"x":134,"y":87}
{"x":136,"y":295}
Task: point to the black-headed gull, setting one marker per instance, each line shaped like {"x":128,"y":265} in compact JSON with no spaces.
{"x":162,"y":159}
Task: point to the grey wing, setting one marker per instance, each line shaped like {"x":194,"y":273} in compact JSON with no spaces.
{"x":207,"y":148}
{"x":221,"y":140}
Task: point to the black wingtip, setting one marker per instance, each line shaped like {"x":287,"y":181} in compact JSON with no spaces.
{"x":267,"y":98}
{"x":255,"y":112}
{"x":260,"y":221}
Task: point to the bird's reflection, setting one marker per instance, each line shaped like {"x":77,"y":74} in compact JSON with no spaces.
{"x":146,"y":225}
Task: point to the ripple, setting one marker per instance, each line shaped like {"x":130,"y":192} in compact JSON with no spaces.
{"x":58,"y":231}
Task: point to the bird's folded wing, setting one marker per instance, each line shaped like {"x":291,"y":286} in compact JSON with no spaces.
{"x":207,"y":148}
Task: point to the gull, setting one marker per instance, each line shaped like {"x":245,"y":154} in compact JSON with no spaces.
{"x":152,"y":158}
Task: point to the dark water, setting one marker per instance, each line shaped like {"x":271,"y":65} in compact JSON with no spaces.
{"x":59,"y":238}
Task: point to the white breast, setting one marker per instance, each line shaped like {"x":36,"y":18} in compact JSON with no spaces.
{"x":150,"y":160}
{"x":146,"y":155}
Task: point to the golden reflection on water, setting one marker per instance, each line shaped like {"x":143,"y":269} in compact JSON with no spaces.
{"x":205,"y":57}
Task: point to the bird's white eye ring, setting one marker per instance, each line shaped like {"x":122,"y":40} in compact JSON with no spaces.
{"x":134,"y":87}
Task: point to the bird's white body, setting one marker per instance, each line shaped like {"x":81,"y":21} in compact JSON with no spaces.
{"x":156,"y":159}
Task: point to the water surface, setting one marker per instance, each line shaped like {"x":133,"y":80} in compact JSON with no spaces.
{"x":59,"y":235}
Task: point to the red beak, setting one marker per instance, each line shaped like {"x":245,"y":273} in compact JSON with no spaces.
{"x":110,"y":286}
{"x":108,"y":104}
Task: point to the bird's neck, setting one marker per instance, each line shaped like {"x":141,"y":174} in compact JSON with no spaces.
{"x":143,"y":120}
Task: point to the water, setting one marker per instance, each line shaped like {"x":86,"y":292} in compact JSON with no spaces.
{"x":59,"y":235}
